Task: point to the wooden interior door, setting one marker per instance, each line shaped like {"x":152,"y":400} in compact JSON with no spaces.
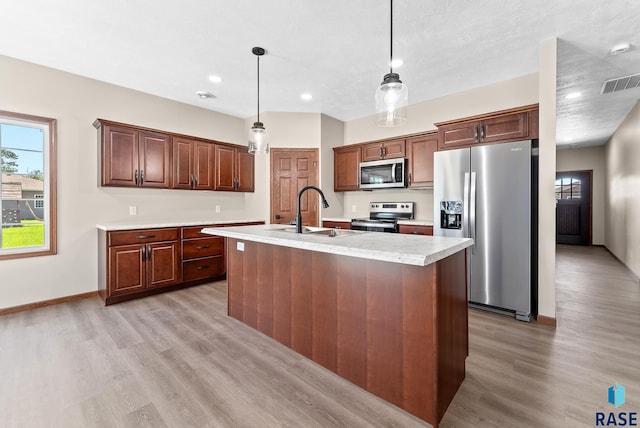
{"x":291,"y":170}
{"x":573,"y":207}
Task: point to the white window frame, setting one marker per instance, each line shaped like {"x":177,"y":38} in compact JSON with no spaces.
{"x":48,"y":126}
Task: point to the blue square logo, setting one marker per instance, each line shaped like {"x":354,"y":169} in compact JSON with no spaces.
{"x":616,"y":395}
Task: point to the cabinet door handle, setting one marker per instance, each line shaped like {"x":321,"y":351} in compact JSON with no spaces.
{"x":144,"y":252}
{"x":475,"y":133}
{"x":384,"y":151}
{"x":203,"y":267}
{"x":145,"y":236}
{"x":142,"y":177}
{"x":409,"y":183}
{"x":202,"y":247}
{"x":137,"y":178}
{"x":190,"y":180}
{"x":481,"y":132}
{"x":148,"y":252}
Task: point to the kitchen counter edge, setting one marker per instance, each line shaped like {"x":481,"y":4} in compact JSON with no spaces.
{"x":388,"y":247}
{"x":159,"y":224}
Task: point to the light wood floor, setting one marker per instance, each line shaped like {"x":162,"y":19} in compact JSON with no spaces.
{"x":176,"y":360}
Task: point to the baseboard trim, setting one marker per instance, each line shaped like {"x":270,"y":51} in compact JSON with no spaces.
{"x":50,"y":302}
{"x":541,"y":319}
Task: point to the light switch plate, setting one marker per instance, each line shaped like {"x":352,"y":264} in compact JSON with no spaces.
{"x":133,"y":210}
{"x":240,"y":246}
{"x":217,"y":208}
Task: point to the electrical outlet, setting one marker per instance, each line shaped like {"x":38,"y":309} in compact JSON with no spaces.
{"x":133,"y":210}
{"x":353,"y":208}
{"x":217,"y":208}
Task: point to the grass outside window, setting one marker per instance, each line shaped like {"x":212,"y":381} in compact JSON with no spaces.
{"x":29,"y":234}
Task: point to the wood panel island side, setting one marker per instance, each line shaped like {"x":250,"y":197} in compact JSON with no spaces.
{"x":387,"y":312}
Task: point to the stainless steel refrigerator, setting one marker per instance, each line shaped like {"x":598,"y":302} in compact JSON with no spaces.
{"x":485,"y":193}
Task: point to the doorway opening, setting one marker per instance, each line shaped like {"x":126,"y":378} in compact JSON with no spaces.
{"x":573,"y":207}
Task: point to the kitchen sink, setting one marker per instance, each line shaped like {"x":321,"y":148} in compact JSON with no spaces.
{"x":322,"y":231}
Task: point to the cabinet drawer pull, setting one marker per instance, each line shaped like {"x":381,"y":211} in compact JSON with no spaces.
{"x":145,"y":236}
{"x":202,"y":247}
{"x":417,"y":233}
{"x":203,"y":267}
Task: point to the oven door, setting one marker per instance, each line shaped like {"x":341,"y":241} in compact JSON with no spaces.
{"x":374,"y":226}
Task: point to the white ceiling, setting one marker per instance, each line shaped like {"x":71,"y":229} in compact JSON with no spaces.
{"x":336,"y":50}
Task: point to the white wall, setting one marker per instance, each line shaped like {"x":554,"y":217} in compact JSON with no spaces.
{"x":622,"y":210}
{"x":589,"y":158}
{"x":332,"y":134}
{"x":546,"y":181}
{"x":76,"y":102}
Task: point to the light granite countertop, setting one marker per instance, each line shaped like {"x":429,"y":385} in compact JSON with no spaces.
{"x":131,"y":225}
{"x":388,"y":247}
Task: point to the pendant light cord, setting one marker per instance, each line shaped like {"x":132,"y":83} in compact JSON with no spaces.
{"x":391,"y":39}
{"x":258,"y":56}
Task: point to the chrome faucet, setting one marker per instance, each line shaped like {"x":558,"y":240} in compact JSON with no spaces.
{"x":325,"y":204}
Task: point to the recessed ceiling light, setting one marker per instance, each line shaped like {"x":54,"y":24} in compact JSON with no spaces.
{"x":204,"y":95}
{"x":618,"y":49}
{"x":215,"y":79}
{"x":396,"y":62}
{"x":306,"y":96}
{"x":573,"y":95}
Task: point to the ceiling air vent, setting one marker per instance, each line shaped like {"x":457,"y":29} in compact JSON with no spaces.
{"x":621,"y":83}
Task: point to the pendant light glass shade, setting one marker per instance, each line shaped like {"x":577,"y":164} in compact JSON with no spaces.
{"x":258,"y":143}
{"x":392,"y":96}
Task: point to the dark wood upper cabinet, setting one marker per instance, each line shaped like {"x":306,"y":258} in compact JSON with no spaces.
{"x":420,"y":152}
{"x":133,"y":157}
{"x":155,"y":160}
{"x":234,"y":169}
{"x":388,"y":149}
{"x":193,"y":164}
{"x":498,"y":127}
{"x":346,"y":168}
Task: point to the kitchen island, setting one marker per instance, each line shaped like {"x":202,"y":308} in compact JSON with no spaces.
{"x":387,"y":312}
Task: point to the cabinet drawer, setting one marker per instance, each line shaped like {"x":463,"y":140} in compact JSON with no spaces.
{"x":415,"y":230}
{"x":194,"y":232}
{"x":337,"y":224}
{"x":203,"y":247}
{"x":202,"y":268}
{"x":142,"y":236}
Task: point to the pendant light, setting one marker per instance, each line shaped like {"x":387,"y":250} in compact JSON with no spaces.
{"x":392,"y":96}
{"x":258,"y":143}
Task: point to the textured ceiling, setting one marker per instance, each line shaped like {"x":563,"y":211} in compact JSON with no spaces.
{"x":334,"y":49}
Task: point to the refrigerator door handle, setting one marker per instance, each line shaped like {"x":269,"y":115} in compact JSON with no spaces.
{"x":465,"y":207}
{"x":472,"y":211}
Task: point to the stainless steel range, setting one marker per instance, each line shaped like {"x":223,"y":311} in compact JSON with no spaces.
{"x":384,"y":216}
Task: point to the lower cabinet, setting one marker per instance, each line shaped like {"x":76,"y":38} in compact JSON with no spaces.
{"x":337,"y":224}
{"x":141,"y":262}
{"x":415,"y":229}
{"x":202,"y":255}
{"x":142,"y":259}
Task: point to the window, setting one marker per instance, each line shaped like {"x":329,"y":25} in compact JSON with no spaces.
{"x":568,"y":188}
{"x":38,"y":201}
{"x":28,"y":185}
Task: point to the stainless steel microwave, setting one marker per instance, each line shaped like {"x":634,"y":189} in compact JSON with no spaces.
{"x":383,"y":174}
